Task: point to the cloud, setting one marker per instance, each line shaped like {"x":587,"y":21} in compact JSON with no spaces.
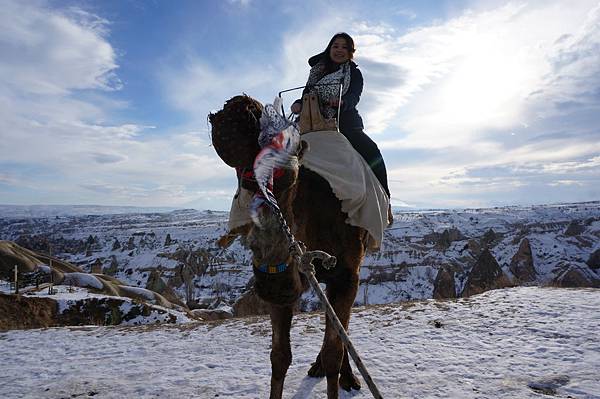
{"x":566,"y":183}
{"x":197,"y":87}
{"x":498,"y":99}
{"x":475,"y":71}
{"x":195,"y":82}
{"x":50,"y":52}
{"x":243,"y":3}
{"x":8,"y":179}
{"x":405,"y":12}
{"x":592,"y":164}
{"x":481,"y":91}
{"x":62,"y":146}
{"x":574,"y":79}
{"x":107,"y":158}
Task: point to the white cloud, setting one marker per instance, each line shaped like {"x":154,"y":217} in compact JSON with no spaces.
{"x":509,"y":88}
{"x":63,"y":148}
{"x":566,"y":183}
{"x":592,"y":164}
{"x":470,"y":73}
{"x":7,"y":179}
{"x":51,"y":52}
{"x":243,"y":3}
{"x":197,"y":87}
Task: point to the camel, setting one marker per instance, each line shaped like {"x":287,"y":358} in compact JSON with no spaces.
{"x":314,"y":214}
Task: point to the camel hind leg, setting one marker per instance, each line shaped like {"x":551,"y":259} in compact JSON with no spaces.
{"x":348,"y":380}
{"x":341,"y":295}
{"x":281,"y":351}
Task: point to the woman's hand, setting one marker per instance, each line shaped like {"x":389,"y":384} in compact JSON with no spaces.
{"x":296,"y":108}
{"x":333,"y":102}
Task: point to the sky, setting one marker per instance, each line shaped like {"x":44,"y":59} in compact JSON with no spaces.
{"x":472,"y":103}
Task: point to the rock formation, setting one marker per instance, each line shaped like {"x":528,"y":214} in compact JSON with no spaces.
{"x":249,"y":304}
{"x":444,"y":239}
{"x":594,"y":261}
{"x":574,"y":228}
{"x":485,"y":275}
{"x":577,"y":277}
{"x":157,"y":284}
{"x":489,"y":238}
{"x":444,"y":286}
{"x":521,"y":264}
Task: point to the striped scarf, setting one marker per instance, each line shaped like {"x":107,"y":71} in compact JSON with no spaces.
{"x":327,"y":86}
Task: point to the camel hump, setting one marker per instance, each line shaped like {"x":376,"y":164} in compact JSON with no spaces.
{"x":352,"y":181}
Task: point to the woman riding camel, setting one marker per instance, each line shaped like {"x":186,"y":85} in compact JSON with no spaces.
{"x":328,"y":69}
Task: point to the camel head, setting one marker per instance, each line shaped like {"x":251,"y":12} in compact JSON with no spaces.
{"x":234,"y":134}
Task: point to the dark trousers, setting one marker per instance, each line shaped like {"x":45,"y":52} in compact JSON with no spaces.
{"x":370,"y":152}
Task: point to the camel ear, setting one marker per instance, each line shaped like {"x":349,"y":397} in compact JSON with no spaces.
{"x":302,"y":149}
{"x":228,"y":239}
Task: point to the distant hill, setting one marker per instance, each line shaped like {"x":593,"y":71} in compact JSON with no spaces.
{"x":425,"y":254}
{"x":55,"y":293}
{"x":44,"y":211}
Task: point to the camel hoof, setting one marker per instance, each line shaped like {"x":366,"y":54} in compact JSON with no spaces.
{"x":316,"y":370}
{"x":349,"y":382}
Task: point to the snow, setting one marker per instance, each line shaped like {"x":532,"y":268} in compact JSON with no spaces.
{"x":68,"y":296}
{"x":36,"y":211}
{"x":43,"y":268}
{"x":6,"y":287}
{"x":65,"y":296}
{"x":82,"y":280}
{"x":154,"y":317}
{"x":513,"y":343}
{"x":142,"y":292}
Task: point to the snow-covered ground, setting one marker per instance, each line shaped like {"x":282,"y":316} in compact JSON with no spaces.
{"x":514,"y":343}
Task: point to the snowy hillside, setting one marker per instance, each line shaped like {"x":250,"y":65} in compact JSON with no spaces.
{"x":523,"y":342}
{"x":425,"y":254}
{"x":45,"y":211}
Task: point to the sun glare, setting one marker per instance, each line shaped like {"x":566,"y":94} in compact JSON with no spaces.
{"x":488,"y":84}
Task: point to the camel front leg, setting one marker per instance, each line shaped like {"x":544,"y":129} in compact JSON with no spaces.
{"x":281,"y":351}
{"x":341,"y":296}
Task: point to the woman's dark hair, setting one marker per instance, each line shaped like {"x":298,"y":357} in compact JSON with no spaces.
{"x":325,"y":57}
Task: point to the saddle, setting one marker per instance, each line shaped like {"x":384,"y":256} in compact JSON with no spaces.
{"x":311,"y":119}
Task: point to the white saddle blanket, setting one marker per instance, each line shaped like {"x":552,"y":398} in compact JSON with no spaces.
{"x":332,"y":156}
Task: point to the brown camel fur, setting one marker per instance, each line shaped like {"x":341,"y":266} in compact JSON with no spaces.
{"x":315,"y":216}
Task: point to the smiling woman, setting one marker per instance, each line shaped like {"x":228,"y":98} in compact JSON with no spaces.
{"x":329,"y":70}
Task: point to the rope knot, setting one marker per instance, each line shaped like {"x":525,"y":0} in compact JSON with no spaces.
{"x":306,"y":266}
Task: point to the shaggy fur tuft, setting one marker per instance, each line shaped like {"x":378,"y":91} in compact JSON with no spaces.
{"x":235,"y":131}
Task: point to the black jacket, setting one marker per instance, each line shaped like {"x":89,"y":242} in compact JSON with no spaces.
{"x":349,"y":117}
